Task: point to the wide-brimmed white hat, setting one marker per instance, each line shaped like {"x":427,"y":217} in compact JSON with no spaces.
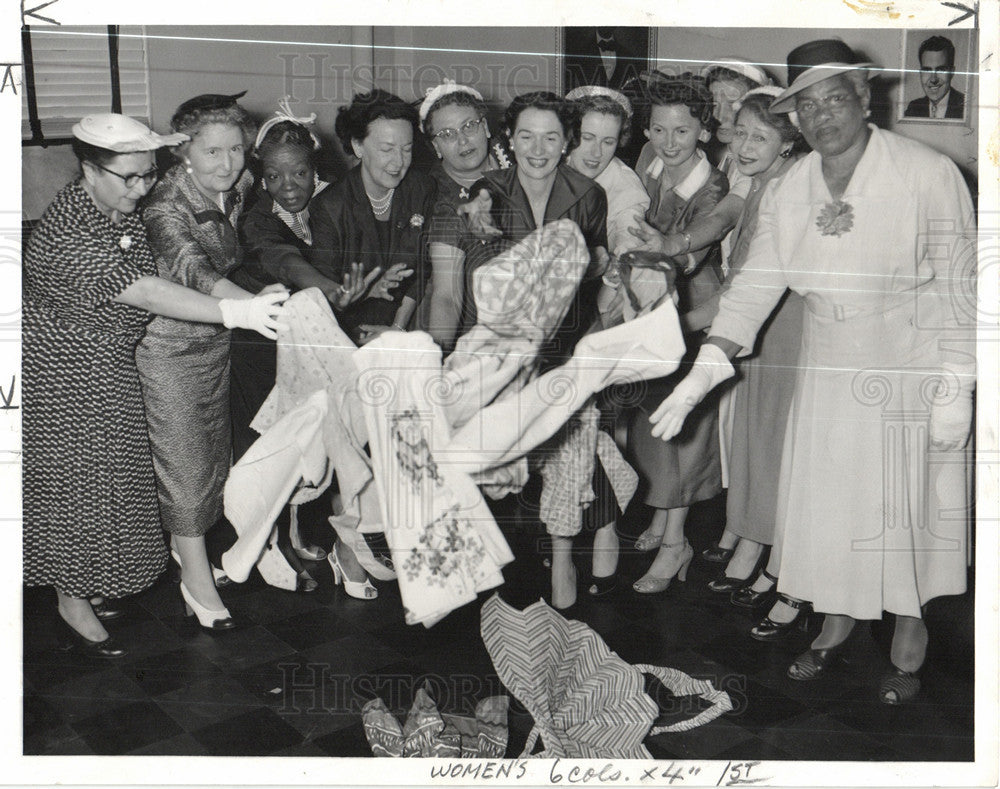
{"x":814,"y":62}
{"x":122,"y":134}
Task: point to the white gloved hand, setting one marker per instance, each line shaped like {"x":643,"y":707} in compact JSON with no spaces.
{"x":951,"y":414}
{"x":260,"y":313}
{"x":711,"y":367}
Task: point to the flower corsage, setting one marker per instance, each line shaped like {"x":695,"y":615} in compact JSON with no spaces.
{"x":835,"y":219}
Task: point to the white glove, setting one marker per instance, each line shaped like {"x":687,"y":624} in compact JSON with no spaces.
{"x":260,"y":313}
{"x":951,"y":417}
{"x":711,"y":367}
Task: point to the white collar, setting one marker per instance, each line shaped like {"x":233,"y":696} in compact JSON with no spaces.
{"x":694,"y":179}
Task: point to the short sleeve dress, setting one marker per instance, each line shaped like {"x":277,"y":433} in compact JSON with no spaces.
{"x":91,"y":520}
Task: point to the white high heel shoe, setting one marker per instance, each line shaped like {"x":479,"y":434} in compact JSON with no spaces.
{"x":360,"y":590}
{"x":221,"y":579}
{"x":207,"y":618}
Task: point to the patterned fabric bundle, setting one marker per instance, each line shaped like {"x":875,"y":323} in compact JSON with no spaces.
{"x":427,"y":732}
{"x":586,"y":701}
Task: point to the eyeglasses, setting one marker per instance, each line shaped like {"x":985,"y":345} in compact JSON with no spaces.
{"x":834,"y":103}
{"x":467,"y":129}
{"x":148,"y":178}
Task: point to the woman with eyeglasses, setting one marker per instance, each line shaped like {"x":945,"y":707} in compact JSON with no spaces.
{"x":453,"y":117}
{"x":184,"y":366}
{"x":91,"y":516}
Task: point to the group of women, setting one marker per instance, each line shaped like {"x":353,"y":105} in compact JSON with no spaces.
{"x":143,"y":317}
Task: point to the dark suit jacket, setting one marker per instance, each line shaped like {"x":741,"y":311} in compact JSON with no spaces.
{"x":344,"y":232}
{"x":921,"y":108}
{"x":583,"y":64}
{"x":267,"y":240}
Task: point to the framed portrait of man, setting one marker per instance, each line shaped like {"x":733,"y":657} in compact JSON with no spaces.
{"x":935,"y":83}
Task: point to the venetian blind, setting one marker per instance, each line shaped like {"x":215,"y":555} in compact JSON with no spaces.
{"x":74,"y":76}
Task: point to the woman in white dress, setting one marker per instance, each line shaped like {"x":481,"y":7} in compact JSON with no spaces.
{"x":877,"y":233}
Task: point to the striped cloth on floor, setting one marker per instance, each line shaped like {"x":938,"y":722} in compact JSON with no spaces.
{"x":586,"y":701}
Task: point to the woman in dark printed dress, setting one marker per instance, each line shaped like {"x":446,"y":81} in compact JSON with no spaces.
{"x":91,"y":520}
{"x":190,"y":217}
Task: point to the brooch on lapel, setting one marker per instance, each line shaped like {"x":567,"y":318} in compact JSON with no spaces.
{"x":463,"y":194}
{"x":835,"y":219}
{"x":125,"y":242}
{"x":417,"y":220}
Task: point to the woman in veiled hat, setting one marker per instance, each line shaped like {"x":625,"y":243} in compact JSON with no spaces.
{"x":91,"y":517}
{"x":877,"y":233}
{"x":185,"y":367}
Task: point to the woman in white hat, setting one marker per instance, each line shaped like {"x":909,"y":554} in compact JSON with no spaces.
{"x":877,"y":233}
{"x":91,"y":518}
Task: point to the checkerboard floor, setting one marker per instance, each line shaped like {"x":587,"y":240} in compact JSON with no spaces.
{"x":293,"y":679}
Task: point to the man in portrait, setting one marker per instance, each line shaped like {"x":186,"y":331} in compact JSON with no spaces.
{"x":937,"y":68}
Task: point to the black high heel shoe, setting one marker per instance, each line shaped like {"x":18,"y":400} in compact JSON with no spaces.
{"x":600,"y":586}
{"x":105,"y":612}
{"x":727,"y":584}
{"x":716,"y":555}
{"x":748,"y":597}
{"x":768,"y":630}
{"x":69,"y":638}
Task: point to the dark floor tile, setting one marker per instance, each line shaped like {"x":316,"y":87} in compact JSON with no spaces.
{"x":758,"y":706}
{"x":236,"y":650}
{"x":349,"y":741}
{"x":126,"y":728}
{"x":306,"y":630}
{"x":352,"y":655}
{"x":181,"y":745}
{"x":267,"y":604}
{"x":93,"y":694}
{"x":207,"y":701}
{"x":44,"y":668}
{"x":818,"y":737}
{"x":145,"y":637}
{"x":302,"y":749}
{"x":162,"y":673}
{"x":755,"y":749}
{"x":704,"y":742}
{"x":43,"y":727}
{"x":259,"y":732}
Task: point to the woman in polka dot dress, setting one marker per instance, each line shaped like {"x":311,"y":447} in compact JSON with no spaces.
{"x":91,"y":519}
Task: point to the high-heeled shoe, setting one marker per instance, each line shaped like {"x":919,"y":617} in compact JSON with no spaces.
{"x":598,"y":586}
{"x":209,"y":619}
{"x":218,"y":574}
{"x":648,"y":540}
{"x":70,"y":638}
{"x":727,"y":584}
{"x":360,"y":590}
{"x":899,"y":687}
{"x":716,"y":555}
{"x":813,"y":663}
{"x":748,"y":597}
{"x":305,"y":583}
{"x":768,"y":630}
{"x":654,"y":584}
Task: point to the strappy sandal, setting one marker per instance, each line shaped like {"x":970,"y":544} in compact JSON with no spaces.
{"x":899,"y":687}
{"x":768,"y":630}
{"x":813,"y":663}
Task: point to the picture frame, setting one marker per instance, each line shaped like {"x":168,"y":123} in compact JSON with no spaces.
{"x":580,"y":61}
{"x":914,"y":104}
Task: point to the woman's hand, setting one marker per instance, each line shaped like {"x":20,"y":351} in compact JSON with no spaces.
{"x":710,"y":368}
{"x":653,"y":240}
{"x":369,"y":332}
{"x":260,"y":313}
{"x":477,"y":214}
{"x":389,"y":281}
{"x":354,"y":286}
